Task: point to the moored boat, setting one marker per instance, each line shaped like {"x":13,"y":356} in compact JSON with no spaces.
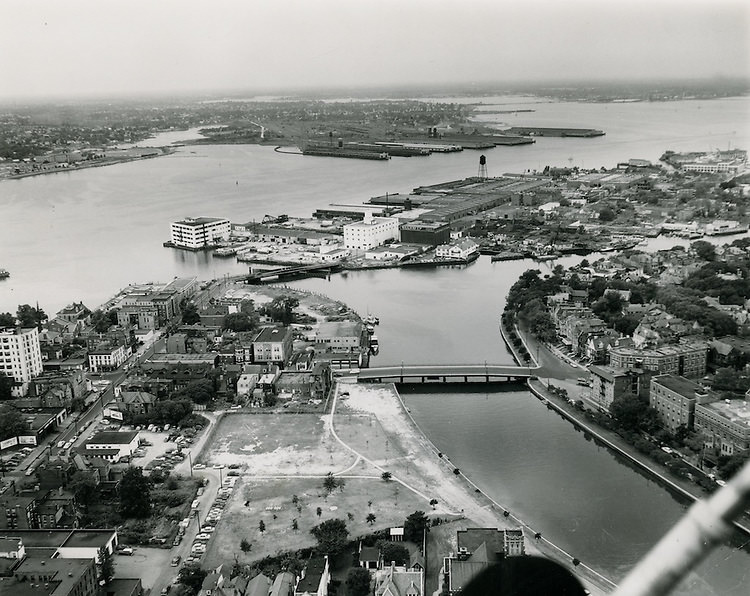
{"x":4,"y":273}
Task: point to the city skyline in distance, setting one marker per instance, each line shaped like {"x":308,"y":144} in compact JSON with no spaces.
{"x":86,"y":48}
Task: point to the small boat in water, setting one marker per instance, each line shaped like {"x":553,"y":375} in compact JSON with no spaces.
{"x":4,"y":274}
{"x":374,"y":345}
{"x":372,"y":320}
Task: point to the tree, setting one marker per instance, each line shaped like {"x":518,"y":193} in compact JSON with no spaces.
{"x":331,"y":536}
{"x":433,"y":502}
{"x":106,"y":566}
{"x":394,"y":552}
{"x":358,"y":582}
{"x":101,"y":321}
{"x":28,"y":316}
{"x":135,"y":494}
{"x":7,"y":320}
{"x":330,"y":483}
{"x":238,"y":321}
{"x":627,"y":409}
{"x":607,"y":214}
{"x":318,"y":511}
{"x":82,"y":485}
{"x":261,"y":526}
{"x":730,"y":465}
{"x":245,"y":546}
{"x":705,"y":250}
{"x":192,"y":576}
{"x":295,"y":500}
{"x":295,"y":525}
{"x":370,"y":518}
{"x":201,"y":391}
{"x":12,"y":422}
{"x":415,"y":526}
{"x":190,"y":314}
{"x":6,"y":386}
{"x":281,"y":309}
{"x":387,"y":476}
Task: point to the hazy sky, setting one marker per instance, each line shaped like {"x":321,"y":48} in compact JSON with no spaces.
{"x":60,"y":47}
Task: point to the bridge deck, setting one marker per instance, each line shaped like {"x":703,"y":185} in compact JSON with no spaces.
{"x":445,"y":372}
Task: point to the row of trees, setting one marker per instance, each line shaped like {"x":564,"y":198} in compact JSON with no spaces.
{"x":27,"y":316}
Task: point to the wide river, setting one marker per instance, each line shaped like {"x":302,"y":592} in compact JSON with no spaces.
{"x":84,"y":235}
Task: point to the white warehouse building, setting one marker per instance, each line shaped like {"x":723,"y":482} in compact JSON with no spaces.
{"x":371,"y":232}
{"x":20,"y":357}
{"x":199,"y":232}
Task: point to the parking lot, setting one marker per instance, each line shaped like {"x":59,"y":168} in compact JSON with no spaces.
{"x":149,"y":564}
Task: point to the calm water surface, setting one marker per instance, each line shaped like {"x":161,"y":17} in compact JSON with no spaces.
{"x":84,"y":235}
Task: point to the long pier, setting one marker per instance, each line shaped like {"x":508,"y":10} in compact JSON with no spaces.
{"x":446,"y":373}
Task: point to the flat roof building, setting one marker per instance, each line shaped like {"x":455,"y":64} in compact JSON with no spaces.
{"x":369,"y":233}
{"x":199,"y":232}
{"x":674,"y":398}
{"x":725,"y":424}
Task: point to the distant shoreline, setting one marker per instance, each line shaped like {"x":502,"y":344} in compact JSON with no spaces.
{"x":87,"y":165}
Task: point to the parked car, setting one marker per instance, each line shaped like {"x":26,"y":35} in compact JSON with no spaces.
{"x":175,"y":560}
{"x":127,"y":551}
{"x":203,"y":536}
{"x":199,"y":466}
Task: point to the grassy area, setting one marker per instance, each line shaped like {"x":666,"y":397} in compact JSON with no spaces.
{"x":284,"y":456}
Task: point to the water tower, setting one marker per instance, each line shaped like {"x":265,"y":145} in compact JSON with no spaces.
{"x":482,"y":167}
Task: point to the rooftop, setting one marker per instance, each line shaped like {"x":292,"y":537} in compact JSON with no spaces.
{"x":610,"y":373}
{"x":678,"y":384}
{"x":271,"y":334}
{"x":200,"y":221}
{"x":113,"y":437}
{"x":339,"y":328}
{"x":734,"y":410}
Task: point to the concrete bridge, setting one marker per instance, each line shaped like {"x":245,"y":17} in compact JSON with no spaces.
{"x":446,"y":373}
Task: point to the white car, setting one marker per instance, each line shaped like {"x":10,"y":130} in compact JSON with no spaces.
{"x":207,"y":529}
{"x":203,"y":536}
{"x":199,"y":467}
{"x":198,"y":547}
{"x":218,"y":466}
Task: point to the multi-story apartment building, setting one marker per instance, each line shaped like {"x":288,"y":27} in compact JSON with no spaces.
{"x":686,"y":359}
{"x":725,"y":424}
{"x":20,"y":357}
{"x":199,"y":232}
{"x":609,"y":382}
{"x":674,"y":398}
{"x":370,"y":232}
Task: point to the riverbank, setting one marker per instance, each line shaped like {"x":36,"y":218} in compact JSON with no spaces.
{"x":436,"y":475}
{"x":609,"y":439}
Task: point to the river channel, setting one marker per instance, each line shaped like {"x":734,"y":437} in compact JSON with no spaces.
{"x":84,"y":235}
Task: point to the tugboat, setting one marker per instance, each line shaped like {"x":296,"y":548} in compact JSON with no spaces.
{"x":4,"y":274}
{"x":372,"y":320}
{"x":370,"y":329}
{"x":374,"y":345}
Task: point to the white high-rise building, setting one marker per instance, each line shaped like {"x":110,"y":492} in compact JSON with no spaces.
{"x":20,"y":357}
{"x":372,"y":232}
{"x":199,"y":232}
